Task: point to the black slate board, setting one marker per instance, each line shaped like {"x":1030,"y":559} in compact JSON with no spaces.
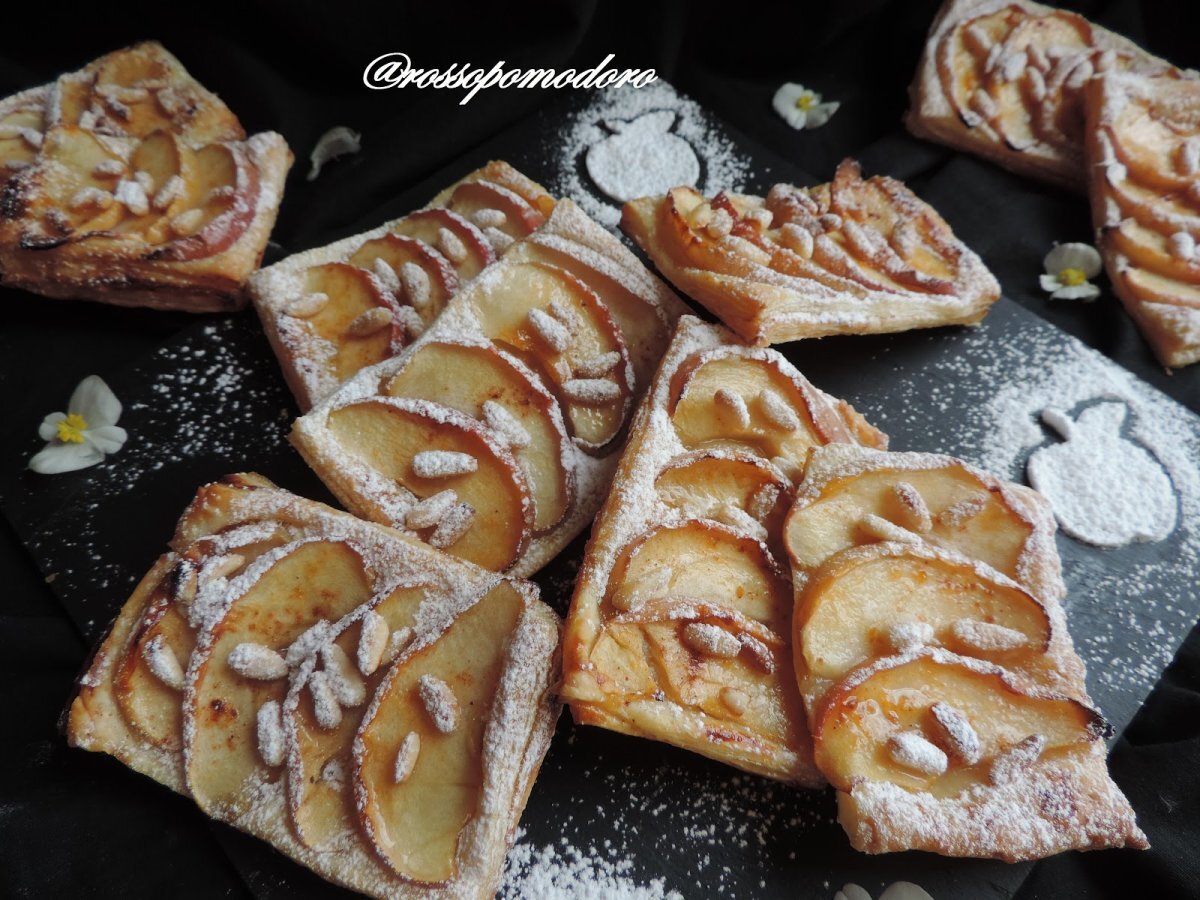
{"x":210,"y":401}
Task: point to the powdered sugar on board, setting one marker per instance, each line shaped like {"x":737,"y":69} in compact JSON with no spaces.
{"x":632,"y":143}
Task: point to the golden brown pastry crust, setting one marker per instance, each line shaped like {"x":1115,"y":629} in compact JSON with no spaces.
{"x":1143,"y":156}
{"x":855,"y":256}
{"x":519,"y":722}
{"x":1031,"y":124}
{"x":142,"y":189}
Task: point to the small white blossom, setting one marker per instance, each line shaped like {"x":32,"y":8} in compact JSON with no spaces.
{"x":802,"y":108}
{"x":1069,"y":271}
{"x":84,"y":434}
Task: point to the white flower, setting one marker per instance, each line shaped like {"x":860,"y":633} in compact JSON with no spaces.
{"x":898,"y":890}
{"x":802,"y":108}
{"x":1069,"y":271}
{"x":82,"y":435}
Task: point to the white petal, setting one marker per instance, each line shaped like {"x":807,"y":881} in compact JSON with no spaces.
{"x":1049,"y":282}
{"x":821,"y":113}
{"x":1084,"y":257}
{"x":106,"y":438}
{"x":55,"y":458}
{"x":1077,"y":292}
{"x":785,"y":98}
{"x":48,"y":430}
{"x":95,"y":402}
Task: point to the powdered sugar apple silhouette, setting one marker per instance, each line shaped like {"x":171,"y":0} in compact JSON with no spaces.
{"x":642,"y":157}
{"x":1105,"y":488}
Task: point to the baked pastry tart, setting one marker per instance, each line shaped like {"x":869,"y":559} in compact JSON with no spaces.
{"x":946,"y":701}
{"x":855,"y":256}
{"x":332,"y":311}
{"x":1003,"y":79}
{"x":494,"y":435}
{"x":680,"y":625}
{"x":373,"y":708}
{"x":129,"y":183}
{"x":1143,"y":154}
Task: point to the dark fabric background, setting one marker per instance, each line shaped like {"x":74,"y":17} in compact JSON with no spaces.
{"x":296,"y":67}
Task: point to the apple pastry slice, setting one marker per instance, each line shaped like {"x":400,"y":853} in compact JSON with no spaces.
{"x":680,"y":626}
{"x":323,"y":333}
{"x":371,"y":707}
{"x":493,"y":433}
{"x":855,"y":256}
{"x":1143,"y":153}
{"x":129,"y":183}
{"x":1004,"y":79}
{"x":935,"y":751}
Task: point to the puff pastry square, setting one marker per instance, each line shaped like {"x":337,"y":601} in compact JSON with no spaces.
{"x":946,"y":701}
{"x":1003,"y":79}
{"x":332,"y":311}
{"x":680,"y":626}
{"x":1143,"y":154}
{"x":129,"y":183}
{"x":855,"y":256}
{"x":374,"y":709}
{"x":494,"y":436}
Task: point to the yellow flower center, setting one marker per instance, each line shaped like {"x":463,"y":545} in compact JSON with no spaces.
{"x":806,"y":101}
{"x":1071,"y":277}
{"x":70,"y":429}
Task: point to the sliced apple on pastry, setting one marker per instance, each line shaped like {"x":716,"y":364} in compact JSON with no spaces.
{"x":420,"y":754}
{"x":881,"y":599}
{"x":706,"y":562}
{"x":21,"y":136}
{"x":1163,"y":211}
{"x":74,"y":189}
{"x":160,"y":170}
{"x":728,"y":485}
{"x":354,"y":313}
{"x":226,"y":748}
{"x":319,"y":760}
{"x":221,"y":199}
{"x":495,"y":208}
{"x":941,"y":501}
{"x":940,"y":723}
{"x":489,"y":385}
{"x":555,"y":324}
{"x":485,"y":509}
{"x":1151,"y":251}
{"x":416,"y":273}
{"x":460,"y":242}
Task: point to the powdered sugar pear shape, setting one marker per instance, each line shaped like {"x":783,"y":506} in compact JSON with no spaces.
{"x":642,"y":157}
{"x":1105,"y":489}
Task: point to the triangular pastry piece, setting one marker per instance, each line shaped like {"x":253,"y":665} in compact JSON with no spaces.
{"x":332,"y":311}
{"x":1003,"y":79}
{"x":855,"y":256}
{"x":495,"y":434}
{"x":374,"y":709}
{"x":129,"y":183}
{"x":680,"y":624}
{"x":946,"y":700}
{"x":1143,"y":153}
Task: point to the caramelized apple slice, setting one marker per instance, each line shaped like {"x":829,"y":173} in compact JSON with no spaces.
{"x":492,"y":206}
{"x":1162,"y":211}
{"x":881,"y":723}
{"x":744,"y":400}
{"x":705,"y":562}
{"x":941,"y":501}
{"x":1151,"y":250}
{"x":359,"y":317}
{"x":556,"y":324}
{"x":429,"y":450}
{"x":423,"y":278}
{"x":461,"y":243}
{"x":221,"y":199}
{"x":882,"y":599}
{"x":77,"y":191}
{"x":319,"y":759}
{"x":733,"y":487}
{"x":21,"y":133}
{"x":158,"y":167}
{"x":303,"y":584}
{"x":420,"y":754}
{"x":1153,"y":288}
{"x":491,"y":386}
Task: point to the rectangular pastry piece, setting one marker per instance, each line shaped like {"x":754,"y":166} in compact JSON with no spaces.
{"x":374,"y":709}
{"x":334,"y":310}
{"x":946,"y":701}
{"x":680,"y":626}
{"x":129,"y":183}
{"x":494,"y":436}
{"x":1003,"y":79}
{"x":855,"y":256}
{"x":1143,"y":156}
